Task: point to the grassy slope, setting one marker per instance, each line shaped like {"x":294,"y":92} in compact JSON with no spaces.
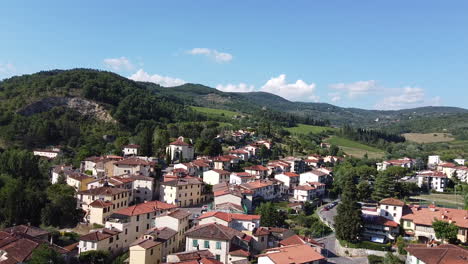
{"x":214,"y":112}
{"x":442,"y":199}
{"x":305,"y":129}
{"x":428,"y":137}
{"x":354,"y":148}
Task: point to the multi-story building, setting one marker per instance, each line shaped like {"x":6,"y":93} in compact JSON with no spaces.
{"x":119,"y":197}
{"x":133,"y":165}
{"x":216,"y":176}
{"x":417,"y":221}
{"x":186,"y":191}
{"x":303,"y":254}
{"x":404,"y":163}
{"x":177,"y":220}
{"x":259,"y":171}
{"x":220,"y":240}
{"x":104,"y":239}
{"x":433,"y":180}
{"x":241,"y":177}
{"x":180,"y":150}
{"x":445,"y":253}
{"x":135,"y":220}
{"x":290,"y":180}
{"x":313,"y":176}
{"x":240,"y":222}
{"x":146,"y":250}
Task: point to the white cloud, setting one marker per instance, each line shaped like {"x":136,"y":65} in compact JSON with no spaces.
{"x":407,"y":97}
{"x":334,"y":97}
{"x":7,"y":68}
{"x":165,"y":81}
{"x":238,"y":88}
{"x":118,"y":64}
{"x":212,"y":53}
{"x":355,"y":89}
{"x":299,"y":90}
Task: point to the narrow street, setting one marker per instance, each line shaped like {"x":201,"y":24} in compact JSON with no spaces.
{"x":329,"y":241}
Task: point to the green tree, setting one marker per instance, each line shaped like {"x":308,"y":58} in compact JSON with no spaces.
{"x":160,"y":141}
{"x":145,"y":139}
{"x":45,"y":254}
{"x":61,"y":210}
{"x":390,"y":258}
{"x":364,"y":191}
{"x":94,"y":257}
{"x":384,"y":186}
{"x":348,"y":221}
{"x":270,"y":216}
{"x":445,"y":231}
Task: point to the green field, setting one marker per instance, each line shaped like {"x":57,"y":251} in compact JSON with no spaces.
{"x":428,"y":137}
{"x":305,"y":129}
{"x":215,"y":112}
{"x":354,"y":148}
{"x":442,"y":199}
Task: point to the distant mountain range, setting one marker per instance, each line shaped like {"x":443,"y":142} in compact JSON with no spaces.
{"x":108,"y":89}
{"x":200,"y":95}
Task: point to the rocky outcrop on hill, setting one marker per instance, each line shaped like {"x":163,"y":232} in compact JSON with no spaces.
{"x":83,"y":106}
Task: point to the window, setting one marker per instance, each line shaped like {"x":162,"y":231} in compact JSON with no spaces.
{"x":207,"y":244}
{"x":386,"y":213}
{"x":408,"y":224}
{"x":263,"y":239}
{"x":218,"y":257}
{"x":394,"y":214}
{"x":195,"y":243}
{"x":394,"y":207}
{"x":126,"y":231}
{"x":147,"y":216}
{"x":137,"y":228}
{"x":386,"y":207}
{"x":151,"y":252}
{"x":138,"y":218}
{"x":147,"y":226}
{"x":218,"y":245}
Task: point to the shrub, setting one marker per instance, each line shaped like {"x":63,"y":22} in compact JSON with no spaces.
{"x":374,"y":259}
{"x":367,"y":245}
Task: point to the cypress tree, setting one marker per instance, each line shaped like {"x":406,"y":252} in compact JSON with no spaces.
{"x":348,"y":221}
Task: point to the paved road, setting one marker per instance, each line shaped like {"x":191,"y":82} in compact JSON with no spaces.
{"x":329,"y":242}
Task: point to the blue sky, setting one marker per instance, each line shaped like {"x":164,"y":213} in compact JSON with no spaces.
{"x":367,"y":54}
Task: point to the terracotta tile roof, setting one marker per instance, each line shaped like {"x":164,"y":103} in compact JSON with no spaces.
{"x":392,"y":201}
{"x":425,"y":216}
{"x":438,"y":174}
{"x":221,"y":171}
{"x":99,"y":235}
{"x":194,"y":255}
{"x":182,"y":181}
{"x":243,"y":174}
{"x":290,"y":174}
{"x":145,"y":243}
{"x":100,"y":204}
{"x":447,"y":165}
{"x":378,"y":220}
{"x":179,"y":142}
{"x":261,"y":231}
{"x":239,"y":151}
{"x":144,"y":208}
{"x":105,"y":190}
{"x":228,"y":217}
{"x":256,"y":168}
{"x":214,"y":231}
{"x":294,"y":254}
{"x":200,"y":163}
{"x":298,"y":240}
{"x":134,"y":162}
{"x":19,"y":247}
{"x":304,"y":188}
{"x":76,"y":175}
{"x":28,"y":230}
{"x":162,"y":234}
{"x":177,"y":213}
{"x":229,"y":206}
{"x":256,"y":184}
{"x":316,"y":172}
{"x":443,"y":254}
{"x":239,"y":253}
